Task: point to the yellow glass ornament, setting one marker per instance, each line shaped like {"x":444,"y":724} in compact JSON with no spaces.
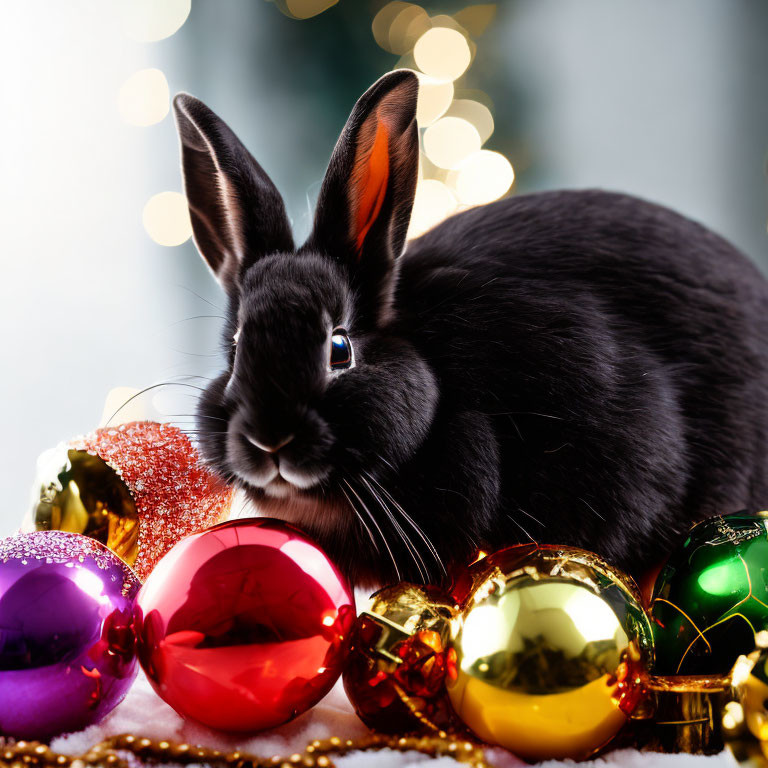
{"x":551,"y":651}
{"x":83,"y":494}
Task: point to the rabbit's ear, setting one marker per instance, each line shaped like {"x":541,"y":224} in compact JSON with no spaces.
{"x":367,"y":195}
{"x":237,"y":213}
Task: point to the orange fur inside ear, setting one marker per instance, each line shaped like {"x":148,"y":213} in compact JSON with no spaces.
{"x":372,"y":174}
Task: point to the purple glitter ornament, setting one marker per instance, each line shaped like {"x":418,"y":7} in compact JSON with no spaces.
{"x":67,"y":650}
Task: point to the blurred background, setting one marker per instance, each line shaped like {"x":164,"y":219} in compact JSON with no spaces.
{"x":102,"y":287}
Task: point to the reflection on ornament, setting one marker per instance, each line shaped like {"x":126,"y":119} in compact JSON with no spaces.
{"x":711,"y":598}
{"x":67,"y":651}
{"x":138,"y":488}
{"x":86,"y":495}
{"x":395,"y":676}
{"x":244,"y":626}
{"x":683,"y":713}
{"x":550,"y":652}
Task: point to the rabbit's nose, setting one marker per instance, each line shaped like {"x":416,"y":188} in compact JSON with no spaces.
{"x":272,"y":447}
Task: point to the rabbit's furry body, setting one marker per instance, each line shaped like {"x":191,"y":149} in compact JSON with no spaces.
{"x":609,"y":359}
{"x":571,"y":367}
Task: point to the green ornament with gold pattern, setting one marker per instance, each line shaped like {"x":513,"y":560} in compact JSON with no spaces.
{"x":711,"y":598}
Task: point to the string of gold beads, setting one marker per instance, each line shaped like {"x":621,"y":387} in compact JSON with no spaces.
{"x":35,"y":754}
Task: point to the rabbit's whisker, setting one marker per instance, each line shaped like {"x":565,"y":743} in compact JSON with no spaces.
{"x":202,"y":298}
{"x":409,"y":520}
{"x":524,"y":413}
{"x":150,"y":388}
{"x":198,"y":317}
{"x":528,"y":514}
{"x":360,"y":518}
{"x":194,"y":376}
{"x":201,"y":432}
{"x":378,"y":528}
{"x":584,"y":501}
{"x":195,"y":416}
{"x":415,"y":554}
{"x":522,"y":529}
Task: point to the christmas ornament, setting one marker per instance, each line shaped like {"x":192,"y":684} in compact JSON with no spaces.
{"x":138,"y":488}
{"x":752,"y":693}
{"x":745,"y":715}
{"x":682,"y":713}
{"x":244,"y":626}
{"x":550,"y":651}
{"x":712,"y":596}
{"x":111,"y":752}
{"x":67,"y":652}
{"x":395,"y":676}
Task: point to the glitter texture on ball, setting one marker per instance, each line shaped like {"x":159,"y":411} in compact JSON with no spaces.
{"x":67,"y":650}
{"x":137,"y":487}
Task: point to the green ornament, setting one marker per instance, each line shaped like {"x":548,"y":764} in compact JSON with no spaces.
{"x":711,"y":598}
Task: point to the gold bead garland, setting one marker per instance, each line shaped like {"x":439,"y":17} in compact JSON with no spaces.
{"x":34,"y":754}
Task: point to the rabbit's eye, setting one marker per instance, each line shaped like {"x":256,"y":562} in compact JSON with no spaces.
{"x":341,"y":350}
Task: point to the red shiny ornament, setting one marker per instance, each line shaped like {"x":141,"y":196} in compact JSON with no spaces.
{"x":244,"y":626}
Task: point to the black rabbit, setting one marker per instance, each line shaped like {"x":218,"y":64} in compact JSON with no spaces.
{"x":568,"y":367}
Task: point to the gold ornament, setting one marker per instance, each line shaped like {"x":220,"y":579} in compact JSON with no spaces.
{"x":395,"y":674}
{"x":745,"y":716}
{"x":34,"y":754}
{"x":83,"y":494}
{"x":551,"y":652}
{"x":682,"y":713}
{"x":753,"y":695}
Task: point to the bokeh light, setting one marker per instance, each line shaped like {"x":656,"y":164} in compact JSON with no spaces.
{"x":433,"y":202}
{"x":407,"y":27}
{"x":435,"y":96}
{"x":166,"y":218}
{"x":144,"y":98}
{"x":148,"y":21}
{"x":483,"y":177}
{"x":476,"y":18}
{"x":304,"y":9}
{"x":383,"y":20}
{"x":442,"y":53}
{"x":450,"y":140}
{"x":455,"y":120}
{"x":476,"y":113}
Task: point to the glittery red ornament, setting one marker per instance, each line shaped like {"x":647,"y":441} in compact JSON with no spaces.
{"x":244,"y":626}
{"x":137,"y":487}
